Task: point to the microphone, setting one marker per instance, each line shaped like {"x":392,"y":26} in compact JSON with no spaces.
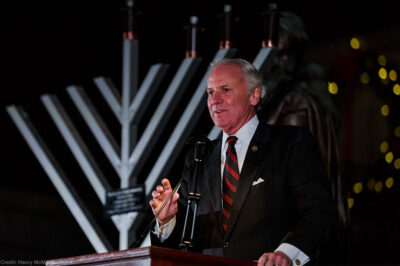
{"x":202,"y":146}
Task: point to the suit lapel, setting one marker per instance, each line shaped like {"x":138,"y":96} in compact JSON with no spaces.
{"x":251,"y":167}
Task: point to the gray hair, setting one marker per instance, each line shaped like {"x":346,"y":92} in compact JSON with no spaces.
{"x":252,"y":76}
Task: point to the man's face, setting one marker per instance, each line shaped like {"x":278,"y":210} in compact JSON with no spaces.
{"x":228,"y":102}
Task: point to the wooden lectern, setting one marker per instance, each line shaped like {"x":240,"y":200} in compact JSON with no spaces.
{"x":148,"y":256}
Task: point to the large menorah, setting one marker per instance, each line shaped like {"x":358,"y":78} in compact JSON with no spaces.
{"x":129,"y":155}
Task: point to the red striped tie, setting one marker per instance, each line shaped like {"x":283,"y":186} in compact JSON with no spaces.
{"x":230,"y":180}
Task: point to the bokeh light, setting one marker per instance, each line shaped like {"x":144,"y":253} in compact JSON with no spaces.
{"x":382,"y":73}
{"x":396,"y":163}
{"x":384,"y":147}
{"x":393,"y":75}
{"x":357,"y":187}
{"x":389,"y":157}
{"x":382,"y":60}
{"x":355,"y":43}
{"x":385,"y":110}
{"x":333,"y":88}
{"x":350,"y":202}
{"x":396,"y":89}
{"x":397,"y":131}
{"x":389,"y":182}
{"x":364,"y":78}
{"x":378,"y":186}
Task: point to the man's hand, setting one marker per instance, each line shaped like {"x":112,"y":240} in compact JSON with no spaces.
{"x":274,"y":259}
{"x":159,"y":196}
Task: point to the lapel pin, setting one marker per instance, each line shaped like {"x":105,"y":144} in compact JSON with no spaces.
{"x":254,"y":148}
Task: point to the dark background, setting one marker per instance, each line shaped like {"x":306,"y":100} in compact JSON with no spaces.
{"x":48,"y":45}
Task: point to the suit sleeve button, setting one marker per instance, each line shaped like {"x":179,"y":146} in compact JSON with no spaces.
{"x":226,"y":244}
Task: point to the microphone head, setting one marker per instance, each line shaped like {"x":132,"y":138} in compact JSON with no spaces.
{"x":130,"y":3}
{"x":202,"y":145}
{"x":194,"y":139}
{"x":227,"y":8}
{"x":194,"y":20}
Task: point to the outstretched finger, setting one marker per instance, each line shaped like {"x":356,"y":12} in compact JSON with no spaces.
{"x":167,"y":185}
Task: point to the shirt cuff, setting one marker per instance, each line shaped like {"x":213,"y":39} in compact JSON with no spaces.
{"x":164,"y":231}
{"x":298,"y":257}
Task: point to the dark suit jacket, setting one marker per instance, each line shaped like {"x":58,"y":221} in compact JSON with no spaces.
{"x":292,"y":204}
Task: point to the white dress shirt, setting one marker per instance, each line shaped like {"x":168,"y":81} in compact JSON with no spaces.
{"x":244,"y":135}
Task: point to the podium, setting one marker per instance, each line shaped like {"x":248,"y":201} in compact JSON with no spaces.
{"x":148,"y":256}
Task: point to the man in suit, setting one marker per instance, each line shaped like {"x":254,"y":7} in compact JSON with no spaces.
{"x":264,"y":193}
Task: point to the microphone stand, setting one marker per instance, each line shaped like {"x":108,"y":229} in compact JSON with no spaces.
{"x":200,"y":150}
{"x":194,"y":198}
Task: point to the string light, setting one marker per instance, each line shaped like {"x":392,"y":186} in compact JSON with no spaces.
{"x":384,"y":147}
{"x":396,"y":89}
{"x":393,"y":75}
{"x":357,"y":188}
{"x":350,"y":202}
{"x":355,"y":43}
{"x":333,"y":88}
{"x":389,"y":157}
{"x":378,"y":186}
{"x":382,"y":73}
{"x":364,"y":78}
{"x":382,"y":60}
{"x":385,"y":110}
{"x":397,"y":132}
{"x":386,"y":77}
{"x":389,"y":182}
{"x":396,"y":163}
